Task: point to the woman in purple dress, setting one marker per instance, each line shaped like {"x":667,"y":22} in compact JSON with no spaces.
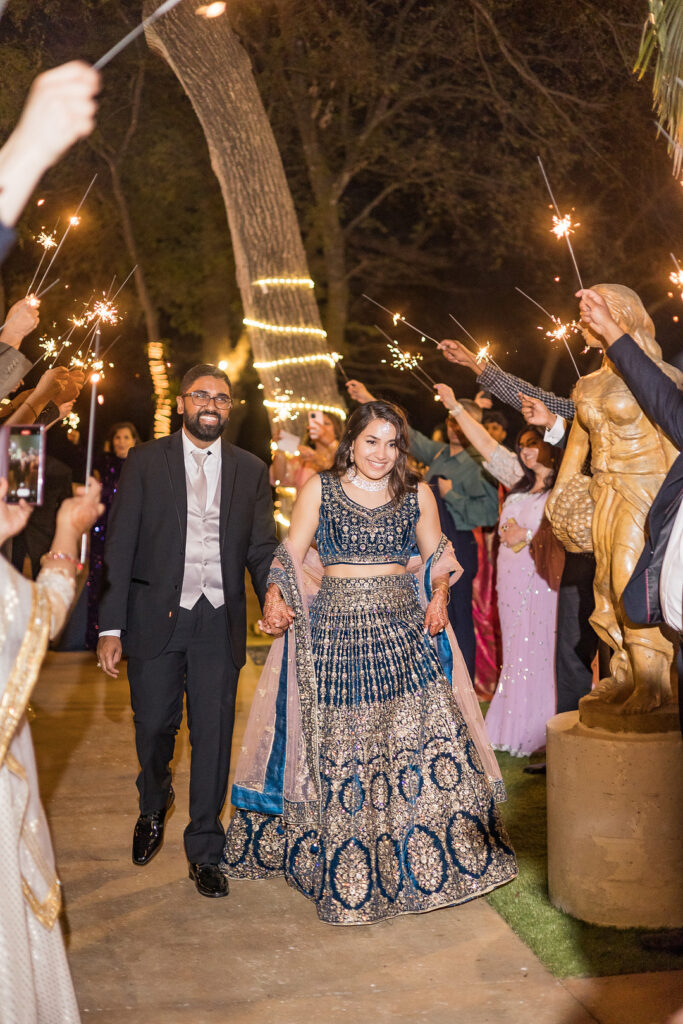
{"x":529,"y":568}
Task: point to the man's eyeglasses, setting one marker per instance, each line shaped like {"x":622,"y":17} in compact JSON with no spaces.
{"x":202,"y":398}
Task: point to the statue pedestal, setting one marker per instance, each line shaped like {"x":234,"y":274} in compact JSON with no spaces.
{"x":615,"y":824}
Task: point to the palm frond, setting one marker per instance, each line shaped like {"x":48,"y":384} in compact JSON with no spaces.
{"x":662,"y":41}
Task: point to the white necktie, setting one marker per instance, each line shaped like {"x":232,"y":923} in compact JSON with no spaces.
{"x":201,"y":486}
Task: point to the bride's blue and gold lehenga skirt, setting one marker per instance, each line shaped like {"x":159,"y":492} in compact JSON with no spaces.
{"x":408,"y":821}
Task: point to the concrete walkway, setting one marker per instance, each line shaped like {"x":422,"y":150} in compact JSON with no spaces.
{"x":145,"y":947}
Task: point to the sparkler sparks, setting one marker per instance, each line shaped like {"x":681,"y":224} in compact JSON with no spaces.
{"x":104,"y":311}
{"x":676,"y":277}
{"x":211,"y":10}
{"x":47,"y":241}
{"x":406,"y":361}
{"x":397,"y":316}
{"x":484,"y":353}
{"x":74,"y":221}
{"x":49,"y":347}
{"x":563,"y":226}
{"x":560,"y":331}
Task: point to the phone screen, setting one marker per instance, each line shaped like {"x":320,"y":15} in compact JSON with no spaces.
{"x":24,"y":459}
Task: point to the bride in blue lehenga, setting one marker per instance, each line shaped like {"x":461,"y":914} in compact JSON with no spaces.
{"x":366,"y":777}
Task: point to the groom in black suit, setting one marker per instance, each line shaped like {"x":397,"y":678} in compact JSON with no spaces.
{"x":191,"y":513}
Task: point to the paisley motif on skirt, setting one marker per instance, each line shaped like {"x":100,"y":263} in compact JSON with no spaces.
{"x":408,"y":818}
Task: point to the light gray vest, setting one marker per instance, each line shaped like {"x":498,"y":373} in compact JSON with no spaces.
{"x":202,"y":573}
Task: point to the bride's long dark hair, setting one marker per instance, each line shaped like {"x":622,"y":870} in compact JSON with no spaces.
{"x":402,"y":479}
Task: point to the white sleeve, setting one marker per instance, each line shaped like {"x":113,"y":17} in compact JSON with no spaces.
{"x":554,"y":434}
{"x":110,"y":632}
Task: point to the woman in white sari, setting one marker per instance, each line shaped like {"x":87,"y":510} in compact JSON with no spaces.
{"x":35,"y":984}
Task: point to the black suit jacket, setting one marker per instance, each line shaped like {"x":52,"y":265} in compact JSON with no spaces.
{"x":144,"y":552}
{"x":658,"y":395}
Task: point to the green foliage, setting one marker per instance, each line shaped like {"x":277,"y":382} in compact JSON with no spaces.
{"x":662,"y":41}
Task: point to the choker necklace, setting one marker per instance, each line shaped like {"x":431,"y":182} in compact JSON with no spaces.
{"x":352,"y":477}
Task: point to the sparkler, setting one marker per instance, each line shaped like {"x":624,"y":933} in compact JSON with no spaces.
{"x":94,"y":378}
{"x":562,"y":225}
{"x":396,"y":317}
{"x":405,"y":361}
{"x":134,"y":33}
{"x":74,"y":220}
{"x":47,"y":242}
{"x":561,"y":330}
{"x":677,"y":278}
{"x":483,"y":354}
{"x":338,"y":363}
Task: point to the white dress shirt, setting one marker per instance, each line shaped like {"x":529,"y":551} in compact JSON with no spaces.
{"x":212,"y":471}
{"x":554,"y":434}
{"x":671,"y":576}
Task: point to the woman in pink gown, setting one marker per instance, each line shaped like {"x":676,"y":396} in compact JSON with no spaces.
{"x":527,"y":583}
{"x":527,"y":606}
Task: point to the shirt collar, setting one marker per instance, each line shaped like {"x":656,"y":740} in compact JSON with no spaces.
{"x":189,"y":447}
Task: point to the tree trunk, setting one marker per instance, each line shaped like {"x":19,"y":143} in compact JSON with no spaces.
{"x":216,"y":74}
{"x":156,"y":356}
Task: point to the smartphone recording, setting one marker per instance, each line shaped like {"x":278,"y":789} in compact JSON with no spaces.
{"x":22,"y":462}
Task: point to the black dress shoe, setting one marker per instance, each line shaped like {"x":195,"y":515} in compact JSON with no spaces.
{"x":209,"y":879}
{"x":538,"y":768}
{"x":149,"y":832}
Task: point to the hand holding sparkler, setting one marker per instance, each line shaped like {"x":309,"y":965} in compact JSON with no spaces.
{"x":536,"y":413}
{"x":596,"y":315}
{"x":358,"y":392}
{"x":447,"y":396}
{"x":456,"y":352}
{"x":60,"y":109}
{"x":21,"y":320}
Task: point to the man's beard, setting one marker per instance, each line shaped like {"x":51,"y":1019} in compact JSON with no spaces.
{"x":203,"y":431}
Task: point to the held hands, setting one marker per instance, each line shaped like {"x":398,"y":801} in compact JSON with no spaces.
{"x":595,"y":313}
{"x":444,"y":486}
{"x":455,"y":352}
{"x":277,"y":615}
{"x":13,"y":518}
{"x":536,"y":412}
{"x":436,"y":616}
{"x":359,"y":392}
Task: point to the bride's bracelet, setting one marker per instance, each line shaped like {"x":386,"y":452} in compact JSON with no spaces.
{"x":442,"y":588}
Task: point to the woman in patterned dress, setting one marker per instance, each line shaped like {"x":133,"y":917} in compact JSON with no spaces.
{"x":366,"y":777}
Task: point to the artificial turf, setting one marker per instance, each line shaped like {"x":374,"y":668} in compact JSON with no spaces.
{"x":568,"y":947}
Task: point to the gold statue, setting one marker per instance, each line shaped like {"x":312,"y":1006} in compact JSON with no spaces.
{"x":630,"y":457}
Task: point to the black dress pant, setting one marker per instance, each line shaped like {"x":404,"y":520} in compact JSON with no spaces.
{"x":197,"y":661}
{"x":460,"y":605}
{"x":577,"y":641}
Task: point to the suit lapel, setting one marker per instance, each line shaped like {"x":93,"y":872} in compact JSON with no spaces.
{"x":228,"y":474}
{"x":175,"y":459}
